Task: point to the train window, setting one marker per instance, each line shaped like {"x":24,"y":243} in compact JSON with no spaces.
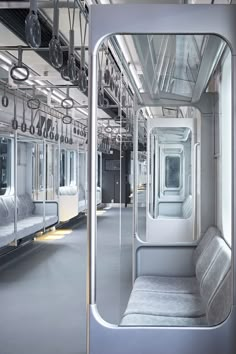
{"x":63,"y":168}
{"x":172,"y":172}
{"x":72,"y":167}
{"x":5,"y":165}
{"x":99,"y":171}
{"x":41,"y":167}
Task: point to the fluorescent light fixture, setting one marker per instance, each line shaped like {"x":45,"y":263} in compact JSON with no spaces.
{"x":5,"y":59}
{"x":135,"y":76}
{"x":43,"y":91}
{"x":149,"y":112}
{"x":58,"y":94}
{"x":128,"y":59}
{"x":5,"y":67}
{"x":39,"y":82}
{"x":55,"y":98}
{"x":29,"y":82}
{"x":82,"y":111}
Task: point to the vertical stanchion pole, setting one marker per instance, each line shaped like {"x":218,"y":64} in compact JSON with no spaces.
{"x":44,"y":182}
{"x":15,"y":182}
{"x":135,"y":180}
{"x":91,"y":168}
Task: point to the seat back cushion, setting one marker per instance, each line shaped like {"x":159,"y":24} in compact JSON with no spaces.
{"x":207,"y":257}
{"x":216,"y":272}
{"x":10,"y":206}
{"x":211,"y":232}
{"x":187,"y":207}
{"x":25,"y":206}
{"x":3,"y":212}
{"x":220,"y":304}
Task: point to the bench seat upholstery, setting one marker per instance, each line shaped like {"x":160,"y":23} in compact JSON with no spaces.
{"x":178,"y":301}
{"x":29,"y":217}
{"x":183,"y":285}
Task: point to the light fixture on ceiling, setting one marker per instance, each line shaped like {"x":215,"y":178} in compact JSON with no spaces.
{"x":5,"y":59}
{"x":39,"y":82}
{"x":128,"y":59}
{"x":55,"y":98}
{"x":149,"y":112}
{"x":58,"y":94}
{"x":82,"y":111}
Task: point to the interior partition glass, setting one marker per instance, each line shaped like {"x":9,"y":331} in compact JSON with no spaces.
{"x":184,"y":181}
{"x":114,"y":220}
{"x":141,"y":173}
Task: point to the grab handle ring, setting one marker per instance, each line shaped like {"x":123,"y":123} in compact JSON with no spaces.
{"x":19,"y":71}
{"x":32,"y":26}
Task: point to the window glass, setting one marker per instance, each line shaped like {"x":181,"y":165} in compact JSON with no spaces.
{"x":172,"y":172}
{"x":63,"y":168}
{"x":5,"y":163}
{"x":99,"y":171}
{"x":72,"y":168}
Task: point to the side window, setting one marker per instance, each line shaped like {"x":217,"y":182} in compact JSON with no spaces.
{"x":172,"y":172}
{"x":72,"y":168}
{"x":5,"y":165}
{"x":63,"y":168}
{"x":99,"y":171}
{"x":67,"y":168}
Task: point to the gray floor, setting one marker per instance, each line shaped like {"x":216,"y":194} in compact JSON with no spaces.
{"x":42,"y":288}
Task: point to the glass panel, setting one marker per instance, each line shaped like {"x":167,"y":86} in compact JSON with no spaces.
{"x":142,"y":177}
{"x":172,"y":172}
{"x":72,"y":168}
{"x":170,"y":63}
{"x":37,"y":164}
{"x":82,"y":177}
{"x":5,"y":165}
{"x":176,"y":163}
{"x":63,"y":169}
{"x":51,"y":171}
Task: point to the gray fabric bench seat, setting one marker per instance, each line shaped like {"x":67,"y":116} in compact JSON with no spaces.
{"x":29,"y":217}
{"x":189,"y":285}
{"x":183,"y":285}
{"x":152,"y":320}
{"x":165,"y":304}
{"x":201,"y":300}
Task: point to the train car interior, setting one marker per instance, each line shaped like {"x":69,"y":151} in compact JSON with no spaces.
{"x":117,"y":177}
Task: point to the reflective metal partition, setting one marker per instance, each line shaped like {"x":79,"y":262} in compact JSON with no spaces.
{"x":106,"y":338}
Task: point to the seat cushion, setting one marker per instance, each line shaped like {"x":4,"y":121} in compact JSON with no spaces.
{"x":6,"y":234}
{"x":220,"y":304}
{"x":185,"y":285}
{"x":165,"y":304}
{"x":216,"y":273}
{"x":29,"y":226}
{"x":151,"y":320}
{"x":211,"y":232}
{"x":207,"y":257}
{"x":50,"y":220}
